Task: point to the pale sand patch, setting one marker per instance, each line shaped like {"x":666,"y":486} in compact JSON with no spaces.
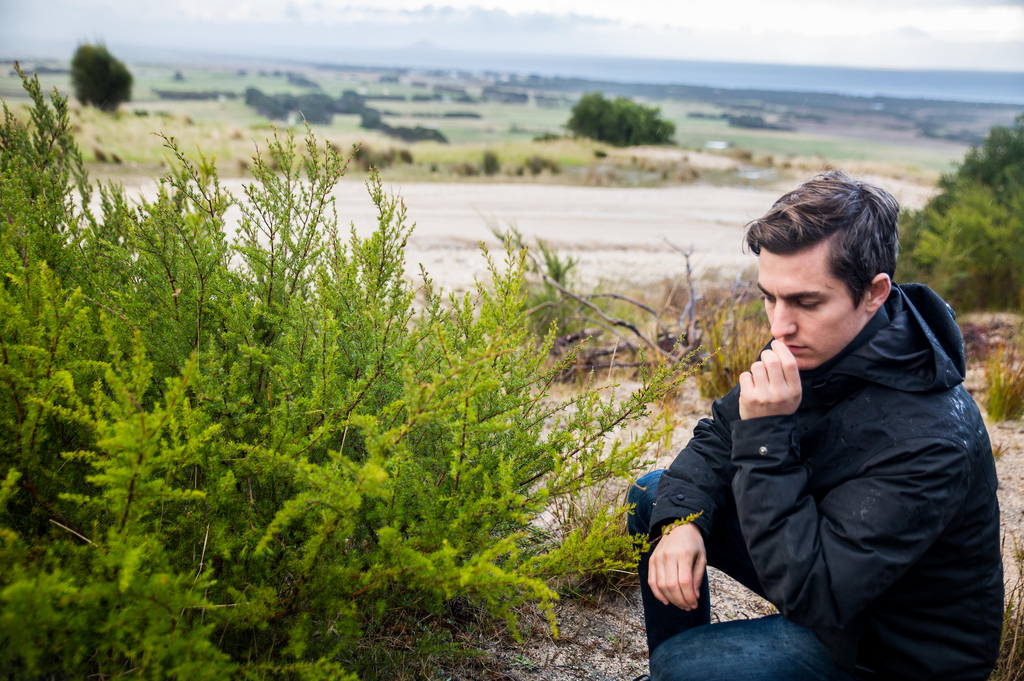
{"x":617,"y":234}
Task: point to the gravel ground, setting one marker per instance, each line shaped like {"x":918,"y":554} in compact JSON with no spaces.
{"x":602,"y":640}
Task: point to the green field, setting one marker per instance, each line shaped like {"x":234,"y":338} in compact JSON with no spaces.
{"x":227,"y":128}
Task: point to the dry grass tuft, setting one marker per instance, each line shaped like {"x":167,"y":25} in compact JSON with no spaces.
{"x":1004,"y":382}
{"x":735,"y":331}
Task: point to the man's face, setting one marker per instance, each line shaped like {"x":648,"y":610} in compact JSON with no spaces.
{"x":809,"y":309}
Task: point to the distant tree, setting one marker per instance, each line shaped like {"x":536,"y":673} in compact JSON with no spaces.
{"x":619,"y":121}
{"x":99,"y":78}
{"x":370,"y":119}
{"x":350,"y":103}
{"x":314,"y":108}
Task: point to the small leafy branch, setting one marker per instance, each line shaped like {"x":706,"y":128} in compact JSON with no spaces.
{"x":679,"y":522}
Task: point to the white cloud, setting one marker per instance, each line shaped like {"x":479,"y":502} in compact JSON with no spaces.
{"x":971,"y":34}
{"x":998,"y":21}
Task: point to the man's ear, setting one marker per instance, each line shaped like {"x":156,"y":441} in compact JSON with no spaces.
{"x":878,"y":292}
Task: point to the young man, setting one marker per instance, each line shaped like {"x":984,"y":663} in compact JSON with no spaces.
{"x":848,"y":478}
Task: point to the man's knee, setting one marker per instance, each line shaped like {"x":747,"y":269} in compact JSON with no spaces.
{"x":767,"y":649}
{"x":641,"y":496}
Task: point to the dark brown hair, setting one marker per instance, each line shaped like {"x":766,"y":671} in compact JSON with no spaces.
{"x":859,"y":220}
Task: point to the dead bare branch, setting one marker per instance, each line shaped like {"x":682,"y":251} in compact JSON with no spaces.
{"x":608,"y":319}
{"x":643,"y":306}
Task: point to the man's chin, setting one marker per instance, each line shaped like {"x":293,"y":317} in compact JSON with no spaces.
{"x":807,"y":360}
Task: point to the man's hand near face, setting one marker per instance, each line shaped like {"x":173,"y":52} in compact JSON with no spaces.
{"x":676,"y":569}
{"x":772,"y":386}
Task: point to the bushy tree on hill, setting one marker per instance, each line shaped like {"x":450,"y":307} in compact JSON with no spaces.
{"x":619,"y":121}
{"x":100,"y":79}
{"x":315,"y":108}
{"x":320,"y":108}
{"x":249,"y":455}
{"x":968,"y":242}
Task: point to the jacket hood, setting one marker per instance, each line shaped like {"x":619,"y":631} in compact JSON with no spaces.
{"x":912,"y":344}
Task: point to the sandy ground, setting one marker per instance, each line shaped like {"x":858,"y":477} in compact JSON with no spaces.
{"x":617,"y":234}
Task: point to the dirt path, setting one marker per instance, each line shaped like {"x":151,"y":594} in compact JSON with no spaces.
{"x":615,"y":233}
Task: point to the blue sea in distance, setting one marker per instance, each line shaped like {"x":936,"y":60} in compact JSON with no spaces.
{"x":968,"y":86}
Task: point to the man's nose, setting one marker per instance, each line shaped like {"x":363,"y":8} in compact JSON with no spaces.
{"x":783,"y":321}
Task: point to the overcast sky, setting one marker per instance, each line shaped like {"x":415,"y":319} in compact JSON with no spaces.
{"x":899,"y":34}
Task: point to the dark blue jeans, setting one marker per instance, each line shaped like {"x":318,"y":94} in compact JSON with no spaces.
{"x":685,"y":645}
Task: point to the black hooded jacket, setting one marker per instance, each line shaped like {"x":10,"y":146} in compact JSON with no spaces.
{"x":870,"y":514}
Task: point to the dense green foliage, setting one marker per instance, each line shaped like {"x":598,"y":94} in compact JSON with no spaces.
{"x":250,"y":454}
{"x":968,"y":242}
{"x":619,"y":121}
{"x":99,"y":78}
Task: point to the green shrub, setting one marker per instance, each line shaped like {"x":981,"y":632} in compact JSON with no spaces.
{"x":537,"y":164}
{"x":99,"y":78}
{"x":547,"y":309}
{"x":619,"y":121}
{"x":491,"y":164}
{"x":968,"y":242}
{"x":251,"y":456}
{"x":365,"y":157}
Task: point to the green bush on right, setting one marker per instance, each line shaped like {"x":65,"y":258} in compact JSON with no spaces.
{"x":968,"y":242}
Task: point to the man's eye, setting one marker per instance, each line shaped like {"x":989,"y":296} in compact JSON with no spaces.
{"x":808,"y":305}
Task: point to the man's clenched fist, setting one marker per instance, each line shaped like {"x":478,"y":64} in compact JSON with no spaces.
{"x":772,"y":386}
